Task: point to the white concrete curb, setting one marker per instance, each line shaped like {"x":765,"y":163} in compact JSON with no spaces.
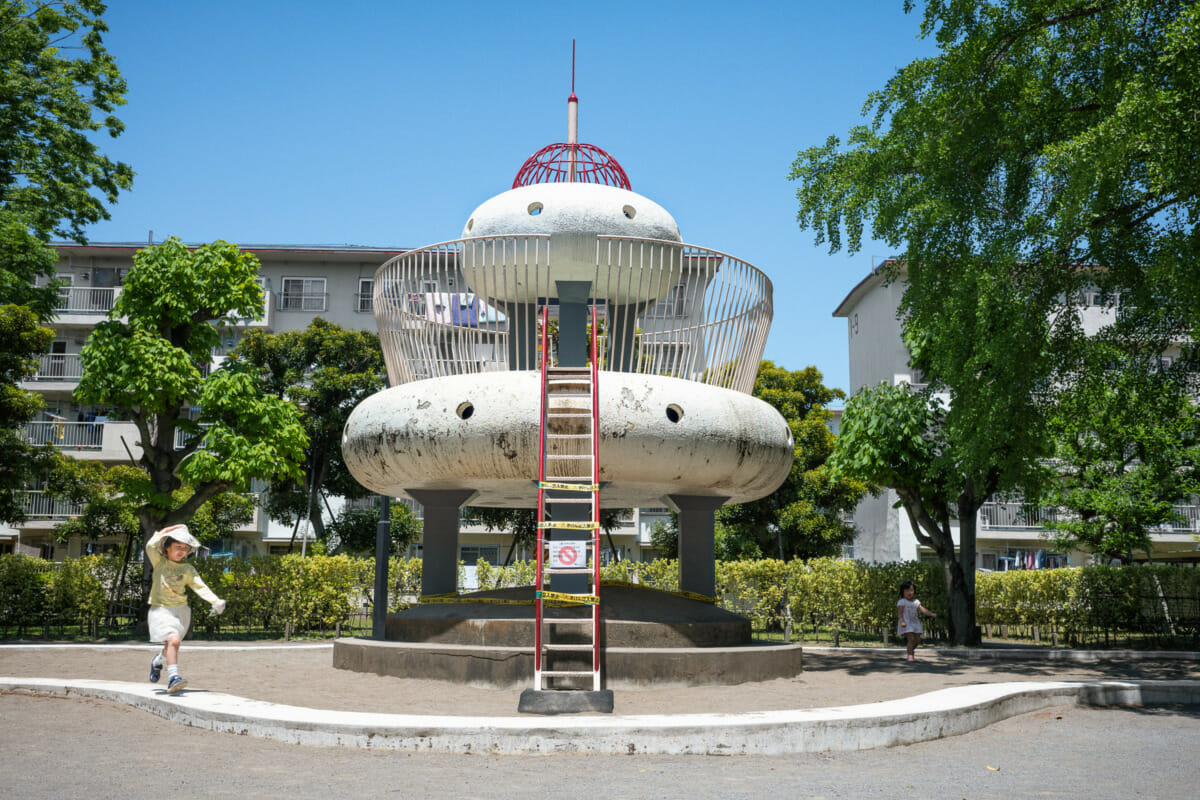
{"x":934,"y":715}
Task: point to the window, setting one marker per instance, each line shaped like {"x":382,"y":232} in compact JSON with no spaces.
{"x":472,"y":553}
{"x":302,"y":294}
{"x":365,"y":299}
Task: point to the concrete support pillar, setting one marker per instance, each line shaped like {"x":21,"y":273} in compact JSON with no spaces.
{"x":573,"y":318}
{"x":522,"y":335}
{"x":697,"y":561}
{"x":622,"y":337}
{"x":439,"y":543}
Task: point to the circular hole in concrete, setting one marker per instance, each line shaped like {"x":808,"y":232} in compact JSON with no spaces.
{"x":535,"y":208}
{"x":674,"y":413}
{"x":629,"y":211}
{"x":470,"y":223}
{"x":465,"y":410}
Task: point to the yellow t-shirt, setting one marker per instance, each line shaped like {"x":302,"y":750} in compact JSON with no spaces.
{"x":171,"y":579}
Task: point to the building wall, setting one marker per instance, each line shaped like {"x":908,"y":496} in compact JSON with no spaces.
{"x":877,"y":354}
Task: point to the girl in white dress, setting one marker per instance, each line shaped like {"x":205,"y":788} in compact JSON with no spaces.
{"x":908,"y":611}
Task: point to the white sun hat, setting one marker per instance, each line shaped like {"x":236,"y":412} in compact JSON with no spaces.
{"x":180,"y":533}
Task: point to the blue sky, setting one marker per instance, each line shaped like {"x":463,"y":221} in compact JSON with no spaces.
{"x":387,"y":123}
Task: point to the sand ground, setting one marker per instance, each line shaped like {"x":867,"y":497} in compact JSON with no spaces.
{"x":302,"y":674}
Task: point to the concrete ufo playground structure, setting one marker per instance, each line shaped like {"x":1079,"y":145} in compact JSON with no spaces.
{"x":680,"y":334}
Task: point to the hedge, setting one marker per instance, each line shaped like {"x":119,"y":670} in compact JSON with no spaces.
{"x":276,"y":594}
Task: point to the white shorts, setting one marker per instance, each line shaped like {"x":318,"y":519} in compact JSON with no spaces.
{"x":165,"y":620}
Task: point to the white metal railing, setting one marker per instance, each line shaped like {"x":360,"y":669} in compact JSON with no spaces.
{"x":302,"y":301}
{"x":86,"y":299}
{"x":39,"y":505}
{"x":59,"y":367}
{"x":472,"y":305}
{"x":66,"y":435}
{"x":1023,"y":517}
{"x":181,"y":436}
{"x":364,"y":302}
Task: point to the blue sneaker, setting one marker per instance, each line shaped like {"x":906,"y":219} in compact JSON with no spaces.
{"x":155,"y":670}
{"x":176,"y":683}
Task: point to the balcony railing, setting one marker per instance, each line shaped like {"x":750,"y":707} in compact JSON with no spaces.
{"x":66,"y":435}
{"x":86,"y":300}
{"x":59,"y":367}
{"x":38,"y":505}
{"x":1023,"y":517}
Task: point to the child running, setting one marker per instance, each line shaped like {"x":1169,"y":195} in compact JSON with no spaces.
{"x":909,"y":610}
{"x":169,"y":613}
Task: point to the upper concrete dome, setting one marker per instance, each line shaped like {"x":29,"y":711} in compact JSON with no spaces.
{"x":573,"y":215}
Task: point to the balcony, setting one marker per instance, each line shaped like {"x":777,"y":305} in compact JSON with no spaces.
{"x":66,"y":435}
{"x":59,"y":367}
{"x":1020,"y":517}
{"x":87,"y":300}
{"x":41,"y":507}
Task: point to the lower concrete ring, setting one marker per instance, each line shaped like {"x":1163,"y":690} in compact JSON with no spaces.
{"x":934,"y":715}
{"x":659,"y":436}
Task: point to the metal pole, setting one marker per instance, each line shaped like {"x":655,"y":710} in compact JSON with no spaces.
{"x":383,"y":540}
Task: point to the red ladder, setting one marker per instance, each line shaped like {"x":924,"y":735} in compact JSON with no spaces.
{"x":569,"y":467}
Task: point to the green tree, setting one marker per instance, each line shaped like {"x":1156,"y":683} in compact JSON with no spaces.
{"x":353,"y":531}
{"x":1126,"y":432}
{"x":803,"y":518}
{"x":58,"y":86}
{"x":149,"y":362}
{"x":1044,"y":138}
{"x":326,"y":370}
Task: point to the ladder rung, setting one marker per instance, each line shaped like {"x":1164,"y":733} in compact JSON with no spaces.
{"x":566,"y":673}
{"x":568,"y":570}
{"x":547,"y":646}
{"x":568,"y":436}
{"x":568,"y":499}
{"x":556,"y":457}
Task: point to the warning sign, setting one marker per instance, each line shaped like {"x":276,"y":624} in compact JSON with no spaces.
{"x":568,"y":555}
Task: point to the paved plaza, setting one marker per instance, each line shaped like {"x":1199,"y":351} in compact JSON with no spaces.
{"x":85,"y":745}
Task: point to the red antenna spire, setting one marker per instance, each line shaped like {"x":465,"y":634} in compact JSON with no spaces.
{"x":571,"y":161}
{"x":572,"y":97}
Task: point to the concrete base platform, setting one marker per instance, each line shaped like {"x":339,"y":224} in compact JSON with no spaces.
{"x":534,"y":701}
{"x":647,"y":637}
{"x":620,"y":668}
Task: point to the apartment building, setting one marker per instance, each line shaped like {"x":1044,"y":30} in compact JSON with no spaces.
{"x":1010,"y":535}
{"x":300,"y":283}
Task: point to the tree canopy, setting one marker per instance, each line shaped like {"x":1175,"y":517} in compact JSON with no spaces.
{"x":151,"y":361}
{"x":58,"y":86}
{"x":803,"y":518}
{"x":1047,"y":147}
{"x":325,"y":370}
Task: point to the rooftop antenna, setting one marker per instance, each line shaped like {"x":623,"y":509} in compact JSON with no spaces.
{"x":572,"y":117}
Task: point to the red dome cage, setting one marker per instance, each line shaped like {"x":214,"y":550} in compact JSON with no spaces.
{"x":554,"y":162}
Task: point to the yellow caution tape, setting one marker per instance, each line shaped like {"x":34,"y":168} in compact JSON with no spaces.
{"x":569,"y":487}
{"x":569,"y":599}
{"x":587,"y":599}
{"x":575,"y":526}
{"x":703,"y":598}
